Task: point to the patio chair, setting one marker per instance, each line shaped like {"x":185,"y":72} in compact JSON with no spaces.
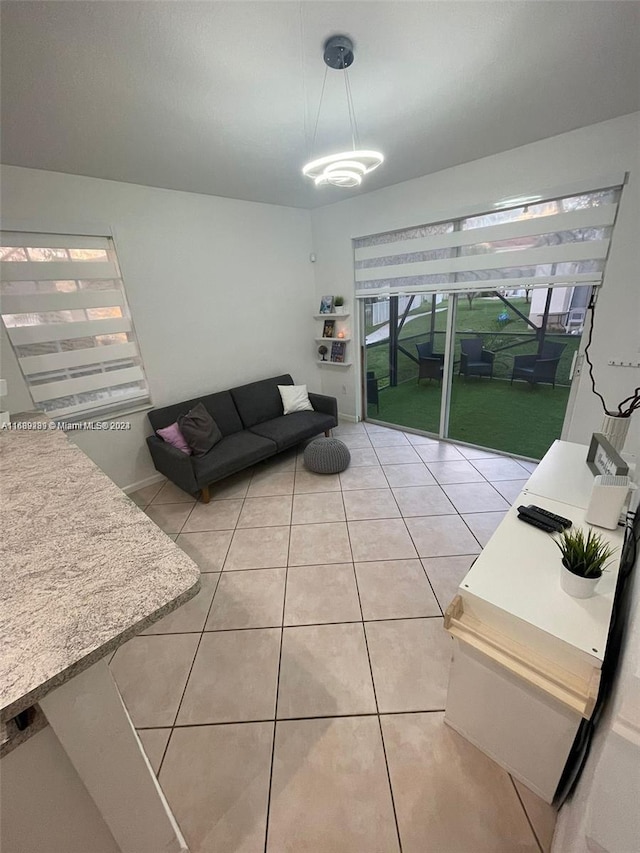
{"x":372,"y":390}
{"x":574,"y":321}
{"x":430,"y":364}
{"x":540,"y":368}
{"x":474,"y":359}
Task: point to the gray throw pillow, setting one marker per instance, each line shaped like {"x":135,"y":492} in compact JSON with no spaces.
{"x":199,"y":429}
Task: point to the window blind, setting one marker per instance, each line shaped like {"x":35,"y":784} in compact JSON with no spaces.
{"x":557,"y":241}
{"x":66,"y":315}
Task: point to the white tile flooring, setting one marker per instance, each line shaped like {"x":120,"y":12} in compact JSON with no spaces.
{"x":295,"y":705}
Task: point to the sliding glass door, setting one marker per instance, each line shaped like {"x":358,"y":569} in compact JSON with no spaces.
{"x":490,"y":369}
{"x":404,"y":340}
{"x":512,"y":367}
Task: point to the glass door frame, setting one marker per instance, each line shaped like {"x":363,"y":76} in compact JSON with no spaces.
{"x":453,"y":297}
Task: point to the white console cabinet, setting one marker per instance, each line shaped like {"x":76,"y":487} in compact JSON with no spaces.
{"x":527,"y":656}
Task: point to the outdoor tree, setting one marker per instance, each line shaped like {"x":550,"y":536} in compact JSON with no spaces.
{"x":471,"y":295}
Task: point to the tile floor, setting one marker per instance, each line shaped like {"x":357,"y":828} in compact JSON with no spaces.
{"x":295,"y":705}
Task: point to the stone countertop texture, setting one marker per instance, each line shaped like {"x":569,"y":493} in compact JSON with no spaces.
{"x":83,"y":569}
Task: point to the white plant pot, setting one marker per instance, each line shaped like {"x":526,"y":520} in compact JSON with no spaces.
{"x":339,"y":309}
{"x":615,"y":430}
{"x":576,"y":585}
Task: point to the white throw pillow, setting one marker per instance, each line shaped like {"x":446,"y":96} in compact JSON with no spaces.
{"x":295,"y":398}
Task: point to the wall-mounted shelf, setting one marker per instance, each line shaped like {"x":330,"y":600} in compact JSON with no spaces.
{"x":331,"y":316}
{"x":336,"y":346}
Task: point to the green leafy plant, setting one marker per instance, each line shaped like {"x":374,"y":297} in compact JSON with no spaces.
{"x":338,"y":301}
{"x":584,"y":555}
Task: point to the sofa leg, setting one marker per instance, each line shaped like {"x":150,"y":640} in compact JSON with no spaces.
{"x":327,"y":433}
{"x":204,"y":495}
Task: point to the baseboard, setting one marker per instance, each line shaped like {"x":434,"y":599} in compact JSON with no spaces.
{"x":351,"y":418}
{"x":140,"y":484}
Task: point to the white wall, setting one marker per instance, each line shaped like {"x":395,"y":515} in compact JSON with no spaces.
{"x":593,"y":151}
{"x":221,"y":291}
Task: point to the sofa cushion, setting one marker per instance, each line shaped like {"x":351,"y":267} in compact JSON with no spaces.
{"x":288,"y":430}
{"x":223,"y":410}
{"x":260,"y":401}
{"x":234,"y":453}
{"x":199,"y":429}
{"x":173,"y":436}
{"x":295,"y":398}
{"x":220,"y":406}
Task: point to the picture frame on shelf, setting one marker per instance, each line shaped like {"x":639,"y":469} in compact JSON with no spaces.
{"x":338,"y":351}
{"x":326,"y":305}
{"x":329,"y":329}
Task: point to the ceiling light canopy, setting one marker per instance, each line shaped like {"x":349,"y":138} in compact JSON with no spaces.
{"x":347,"y":168}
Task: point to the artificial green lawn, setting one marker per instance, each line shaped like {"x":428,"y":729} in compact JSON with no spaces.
{"x":518,"y":419}
{"x":492,"y":413}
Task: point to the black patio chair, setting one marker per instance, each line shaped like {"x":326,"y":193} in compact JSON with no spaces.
{"x":430,"y":364}
{"x":538,"y":368}
{"x":372,"y":390}
{"x":474,"y":359}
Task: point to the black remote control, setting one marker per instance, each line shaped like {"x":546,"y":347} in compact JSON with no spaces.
{"x":538,"y":520}
{"x":535,"y":523}
{"x":559,"y":519}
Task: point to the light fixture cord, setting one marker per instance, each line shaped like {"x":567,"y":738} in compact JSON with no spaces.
{"x":315,"y":129}
{"x":346,"y":92}
{"x":355,"y":135}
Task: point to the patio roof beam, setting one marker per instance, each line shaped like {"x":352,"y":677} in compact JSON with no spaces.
{"x":432,"y":324}
{"x":393,"y":341}
{"x":545,"y":319}
{"x":408,"y":354}
{"x":517,"y":311}
{"x":404,"y":315}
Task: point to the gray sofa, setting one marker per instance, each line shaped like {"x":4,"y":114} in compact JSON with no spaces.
{"x":253,"y":426}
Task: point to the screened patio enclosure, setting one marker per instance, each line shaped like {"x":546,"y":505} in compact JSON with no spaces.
{"x":471,"y":327}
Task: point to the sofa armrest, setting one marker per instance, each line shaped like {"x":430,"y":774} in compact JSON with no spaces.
{"x":173,"y":463}
{"x":326,"y":405}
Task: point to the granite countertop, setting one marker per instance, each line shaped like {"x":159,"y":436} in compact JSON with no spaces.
{"x":83,"y":568}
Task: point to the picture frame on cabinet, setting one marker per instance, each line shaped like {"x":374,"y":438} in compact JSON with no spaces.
{"x":326,"y":305}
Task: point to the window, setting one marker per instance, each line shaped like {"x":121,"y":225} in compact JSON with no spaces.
{"x":66,"y":314}
{"x":561,"y":240}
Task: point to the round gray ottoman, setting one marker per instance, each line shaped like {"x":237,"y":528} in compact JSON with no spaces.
{"x":326,"y":456}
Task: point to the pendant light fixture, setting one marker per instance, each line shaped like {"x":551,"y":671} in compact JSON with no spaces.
{"x":347,"y":168}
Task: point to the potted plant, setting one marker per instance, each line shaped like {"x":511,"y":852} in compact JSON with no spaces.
{"x":584,"y":559}
{"x":338,"y":304}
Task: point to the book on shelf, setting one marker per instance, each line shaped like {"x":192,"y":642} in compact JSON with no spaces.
{"x":337,"y":351}
{"x":329,"y":328}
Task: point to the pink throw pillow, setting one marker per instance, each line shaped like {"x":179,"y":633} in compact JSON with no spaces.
{"x":173,"y":436}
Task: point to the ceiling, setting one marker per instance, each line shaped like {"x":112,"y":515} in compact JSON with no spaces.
{"x":221,"y":97}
